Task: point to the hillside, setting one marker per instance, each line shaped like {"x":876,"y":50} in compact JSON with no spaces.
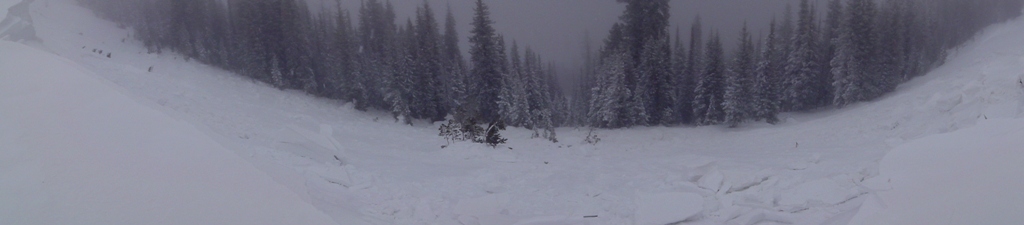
{"x":77,"y":151}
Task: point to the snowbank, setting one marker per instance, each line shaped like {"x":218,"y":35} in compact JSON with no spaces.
{"x":74,"y":150}
{"x":971,"y":176}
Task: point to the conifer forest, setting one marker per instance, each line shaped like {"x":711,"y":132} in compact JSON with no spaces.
{"x":644,"y":73}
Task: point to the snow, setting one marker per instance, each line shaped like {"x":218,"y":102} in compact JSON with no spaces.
{"x":17,"y":23}
{"x":5,"y":4}
{"x":77,"y":151}
{"x":181,"y":129}
{"x":487,"y":209}
{"x":971,"y":176}
{"x":668,"y":208}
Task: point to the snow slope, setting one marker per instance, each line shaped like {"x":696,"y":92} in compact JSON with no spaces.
{"x":971,"y":176}
{"x":75,"y":151}
{"x":363,"y":166}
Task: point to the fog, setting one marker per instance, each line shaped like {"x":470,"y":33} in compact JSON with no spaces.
{"x":555,"y":28}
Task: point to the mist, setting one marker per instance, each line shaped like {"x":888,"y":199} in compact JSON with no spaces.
{"x":555,"y":28}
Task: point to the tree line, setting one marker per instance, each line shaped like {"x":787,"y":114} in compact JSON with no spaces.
{"x":859,"y":51}
{"x":641,"y":75}
{"x":414,"y":70}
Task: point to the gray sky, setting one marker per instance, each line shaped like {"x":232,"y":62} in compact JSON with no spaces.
{"x":554,"y":28}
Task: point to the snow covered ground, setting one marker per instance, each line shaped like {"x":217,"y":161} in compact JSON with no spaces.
{"x":970,"y":176}
{"x":815,"y":168}
{"x":76,"y":151}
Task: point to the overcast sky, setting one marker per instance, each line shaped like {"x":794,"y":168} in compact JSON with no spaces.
{"x":554,"y":28}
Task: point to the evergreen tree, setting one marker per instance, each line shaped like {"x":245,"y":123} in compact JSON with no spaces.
{"x":610,"y":92}
{"x":737,"y":99}
{"x":786,"y":33}
{"x":580,"y":106}
{"x":682,"y":81}
{"x":802,"y":71}
{"x":454,"y":68}
{"x":535,"y":91}
{"x":710,"y":89}
{"x":512,"y":105}
{"x":766,"y":105}
{"x":297,"y":59}
{"x":398,"y":83}
{"x":645,"y":21}
{"x":893,"y":46}
{"x":913,"y":40}
{"x":692,"y":72}
{"x":829,"y":42}
{"x":342,"y":59}
{"x":852,"y":67}
{"x":217,"y":34}
{"x":656,"y":67}
{"x":486,"y":73}
{"x":428,"y":66}
{"x":255,"y":54}
{"x":539,"y":92}
{"x":503,"y":61}
{"x":321,"y":42}
{"x":376,"y":38}
{"x":558,"y":101}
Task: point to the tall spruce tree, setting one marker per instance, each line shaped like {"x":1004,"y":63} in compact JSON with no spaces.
{"x":455,"y":78}
{"x":580,"y":105}
{"x":398,"y":84}
{"x":646,"y":21}
{"x":343,"y":59}
{"x":682,"y":82}
{"x":539,"y":93}
{"x":786,"y":32}
{"x":655,"y":72}
{"x":692,"y":70}
{"x":428,"y":66}
{"x":737,"y":100}
{"x":710,"y":89}
{"x":512,"y":105}
{"x":377,"y":39}
{"x":610,"y":92}
{"x":913,"y":40}
{"x":853,"y":66}
{"x":486,"y":73}
{"x":766,"y":99}
{"x":890,"y":36}
{"x":829,"y":42}
{"x":802,"y":71}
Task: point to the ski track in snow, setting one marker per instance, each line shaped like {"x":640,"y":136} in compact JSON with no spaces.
{"x":807,"y":170}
